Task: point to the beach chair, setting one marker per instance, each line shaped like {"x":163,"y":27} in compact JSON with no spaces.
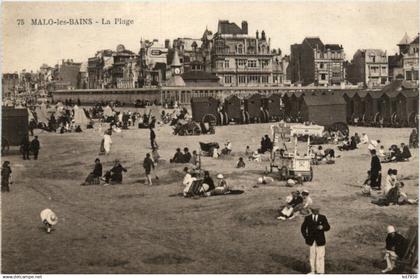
{"x":409,"y":262}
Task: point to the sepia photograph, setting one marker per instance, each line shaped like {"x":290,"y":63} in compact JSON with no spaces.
{"x":210,"y":137}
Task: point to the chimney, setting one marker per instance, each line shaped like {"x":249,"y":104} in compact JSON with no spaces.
{"x":244,"y":27}
{"x":257,"y":34}
{"x":167,"y":43}
{"x":263,"y":35}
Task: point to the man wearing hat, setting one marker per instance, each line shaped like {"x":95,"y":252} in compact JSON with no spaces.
{"x":313,"y":229}
{"x":396,"y":245}
{"x":49,"y":219}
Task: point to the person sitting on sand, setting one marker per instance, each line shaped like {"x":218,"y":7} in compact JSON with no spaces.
{"x":222,"y":186}
{"x":178,"y":157}
{"x":248,"y":151}
{"x":187,"y":182}
{"x":406,"y":154}
{"x":357,"y":138}
{"x":389,"y":181}
{"x":240,"y":163}
{"x":381,"y":152}
{"x":228,"y":148}
{"x":366,"y":189}
{"x":194,"y":159}
{"x":186,"y":157}
{"x":208,"y":184}
{"x":95,"y":176}
{"x":114,"y":175}
{"x":396,"y":246}
{"x":414,"y":139}
{"x":215,"y":153}
{"x":256,"y":157}
{"x":364,"y":139}
{"x":305,"y":207}
{"x":78,"y":129}
{"x":293,"y":200}
{"x":373,"y":144}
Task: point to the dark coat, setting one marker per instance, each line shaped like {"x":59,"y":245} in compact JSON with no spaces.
{"x":396,"y":243}
{"x":375,"y":164}
{"x":148,"y":165}
{"x":35,"y":146}
{"x":116,"y":173}
{"x":97,"y":171}
{"x":406,"y":152}
{"x":311,"y":233}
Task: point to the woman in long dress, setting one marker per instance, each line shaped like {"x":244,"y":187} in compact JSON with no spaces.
{"x":107,"y":143}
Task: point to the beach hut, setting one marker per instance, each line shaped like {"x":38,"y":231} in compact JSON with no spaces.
{"x":323,"y":109}
{"x":14,"y":125}
{"x":234,"y":107}
{"x":273,"y":106}
{"x":80,"y":117}
{"x":205,"y":109}
{"x":351,"y":117}
{"x":253,"y":105}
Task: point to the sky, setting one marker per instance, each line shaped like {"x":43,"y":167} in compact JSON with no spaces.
{"x":353,"y":24}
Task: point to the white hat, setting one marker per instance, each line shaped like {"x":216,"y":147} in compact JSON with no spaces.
{"x":305,"y":191}
{"x":390,"y":229}
{"x":49,"y":216}
{"x":220,"y":176}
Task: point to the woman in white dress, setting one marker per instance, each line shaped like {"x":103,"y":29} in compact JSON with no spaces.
{"x":107,"y":143}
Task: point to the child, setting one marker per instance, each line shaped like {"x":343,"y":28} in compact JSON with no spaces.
{"x":366,"y":185}
{"x":240,"y":163}
{"x":49,"y":219}
{"x":248,"y":151}
{"x":6,"y":176}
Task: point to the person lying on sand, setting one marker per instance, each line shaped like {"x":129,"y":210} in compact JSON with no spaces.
{"x":293,"y":201}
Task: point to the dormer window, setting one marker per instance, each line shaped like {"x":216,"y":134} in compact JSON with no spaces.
{"x":240,"y":49}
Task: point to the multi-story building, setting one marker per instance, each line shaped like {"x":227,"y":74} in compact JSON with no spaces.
{"x":10,"y":83}
{"x":280,"y":65}
{"x":395,"y":62}
{"x":411,"y":61}
{"x":153,"y":63}
{"x":189,"y":51}
{"x":312,"y":62}
{"x":237,"y":58}
{"x":68,"y":75}
{"x":368,"y":66}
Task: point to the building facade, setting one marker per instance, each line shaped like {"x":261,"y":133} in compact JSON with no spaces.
{"x":312,"y":62}
{"x":153,"y":61}
{"x":10,"y":83}
{"x":411,"y":61}
{"x":368,"y":66}
{"x":237,"y":58}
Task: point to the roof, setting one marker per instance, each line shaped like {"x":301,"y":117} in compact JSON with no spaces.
{"x":314,"y":42}
{"x":374,"y":51}
{"x":350,"y":93}
{"x":175,"y":60}
{"x":199,"y":75}
{"x":176,"y":81}
{"x":415,"y":41}
{"x":256,"y":95}
{"x":405,"y":40}
{"x":333,"y":47}
{"x":226,"y":27}
{"x":394,"y":88}
{"x":410,"y":93}
{"x":375,"y":94}
{"x":202,"y":99}
{"x":362,"y":94}
{"x":228,"y":98}
{"x":323,"y":100}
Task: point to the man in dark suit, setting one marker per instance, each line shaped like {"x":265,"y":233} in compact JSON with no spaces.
{"x":375,"y":170}
{"x":313,"y":229}
{"x":35,"y":146}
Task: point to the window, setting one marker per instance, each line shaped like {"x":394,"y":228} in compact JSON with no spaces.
{"x":240,"y":49}
{"x":321,"y":65}
{"x":408,"y":75}
{"x":253,"y":79}
{"x":226,"y":63}
{"x":252,"y":63}
{"x":228,"y":79}
{"x":274,"y":78}
{"x":242,"y":79}
{"x":264,"y":63}
{"x":264,"y":79}
{"x":373,"y":59}
{"x":241,"y":62}
{"x":323,"y":76}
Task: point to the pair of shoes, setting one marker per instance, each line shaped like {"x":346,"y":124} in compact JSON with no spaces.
{"x":281,"y":218}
